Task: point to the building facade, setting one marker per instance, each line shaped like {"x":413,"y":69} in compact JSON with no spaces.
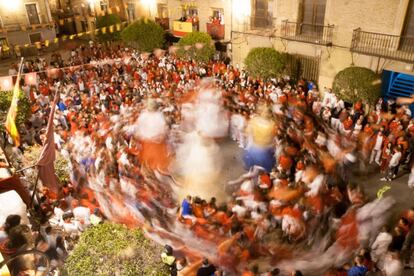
{"x":325,"y":36}
{"x":322,"y":37}
{"x":24,"y":22}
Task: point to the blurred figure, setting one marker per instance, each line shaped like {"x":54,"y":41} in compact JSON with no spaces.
{"x":206,"y":269}
{"x":260,"y":131}
{"x":151,"y":130}
{"x":211,"y":119}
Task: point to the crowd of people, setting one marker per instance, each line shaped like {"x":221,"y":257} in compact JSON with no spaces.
{"x":277,"y":218}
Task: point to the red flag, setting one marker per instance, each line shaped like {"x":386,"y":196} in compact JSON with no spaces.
{"x":45,"y":164}
{"x":13,"y":183}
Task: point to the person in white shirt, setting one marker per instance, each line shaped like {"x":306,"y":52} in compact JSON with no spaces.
{"x":81,"y":214}
{"x":377,"y":150}
{"x":237,"y":126}
{"x":239,"y":209}
{"x":329,"y":99}
{"x":379,"y":248}
{"x":394,"y":164}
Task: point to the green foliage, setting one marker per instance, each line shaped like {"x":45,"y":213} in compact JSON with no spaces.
{"x":144,"y":34}
{"x":264,"y":62}
{"x":357,"y":84}
{"x":106,"y":21}
{"x":112,"y":249}
{"x":32,"y":154}
{"x":196,"y":46}
{"x":23,"y":108}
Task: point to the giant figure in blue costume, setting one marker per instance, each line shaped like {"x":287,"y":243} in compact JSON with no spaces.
{"x":260,"y":132}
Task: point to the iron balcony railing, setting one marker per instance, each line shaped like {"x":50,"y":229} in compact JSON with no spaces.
{"x":309,"y":33}
{"x":394,"y":47}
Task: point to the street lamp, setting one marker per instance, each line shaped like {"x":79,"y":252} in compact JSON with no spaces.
{"x":149,"y":4}
{"x":92,"y":6}
{"x":241,"y":9}
{"x":11,"y":6}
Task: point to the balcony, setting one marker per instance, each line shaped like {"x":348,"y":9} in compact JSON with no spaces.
{"x":163,"y":22}
{"x":215,"y":30}
{"x":394,"y":47}
{"x":309,"y":33}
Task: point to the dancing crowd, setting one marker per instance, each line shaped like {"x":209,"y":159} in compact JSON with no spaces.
{"x":279,"y":216}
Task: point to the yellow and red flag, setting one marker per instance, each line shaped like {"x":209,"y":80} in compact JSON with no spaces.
{"x":10,"y":124}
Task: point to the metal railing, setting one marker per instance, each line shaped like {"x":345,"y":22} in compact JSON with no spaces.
{"x":309,"y":33}
{"x":383,"y":45}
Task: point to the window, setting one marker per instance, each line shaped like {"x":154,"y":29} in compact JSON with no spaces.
{"x":409,"y":20}
{"x":32,"y":14}
{"x":131,"y":11}
{"x":162,"y":11}
{"x":35,"y":37}
{"x":313,"y":12}
{"x":3,"y":43}
{"x":104,"y":6}
{"x":407,"y":41}
{"x":217,"y":16}
{"x":262,"y":13}
{"x":313,"y":17}
{"x":84,"y":25}
{"x":193,"y":12}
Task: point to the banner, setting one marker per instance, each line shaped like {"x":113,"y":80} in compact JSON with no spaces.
{"x":182,"y":28}
{"x":110,"y":29}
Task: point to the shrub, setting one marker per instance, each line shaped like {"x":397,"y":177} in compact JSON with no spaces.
{"x":112,"y":249}
{"x":106,"y":21}
{"x":196,"y":46}
{"x":23,"y":109}
{"x":144,"y":34}
{"x":32,"y":154}
{"x":357,"y":84}
{"x":263,"y":62}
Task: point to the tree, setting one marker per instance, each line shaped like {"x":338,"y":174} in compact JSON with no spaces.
{"x":106,"y":21}
{"x":112,"y":249}
{"x":196,"y":46}
{"x":23,"y":108}
{"x":144,"y":34}
{"x":264,"y":62}
{"x":357,"y":84}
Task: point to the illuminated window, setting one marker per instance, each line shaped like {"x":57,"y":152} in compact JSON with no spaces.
{"x":218,"y":15}
{"x":131,"y":11}
{"x":104,"y":6}
{"x":162,"y":11}
{"x":32,"y":14}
